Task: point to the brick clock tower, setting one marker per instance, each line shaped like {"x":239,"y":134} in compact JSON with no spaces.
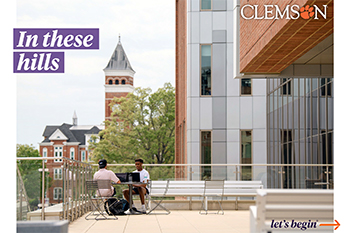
{"x":119,"y":78}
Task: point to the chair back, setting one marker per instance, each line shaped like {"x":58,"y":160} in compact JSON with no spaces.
{"x":93,"y":186}
{"x":214,"y":187}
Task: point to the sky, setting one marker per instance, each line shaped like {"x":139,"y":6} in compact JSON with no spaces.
{"x":147,"y":30}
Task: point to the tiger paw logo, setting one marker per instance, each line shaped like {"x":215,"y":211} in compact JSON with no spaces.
{"x":306,"y":12}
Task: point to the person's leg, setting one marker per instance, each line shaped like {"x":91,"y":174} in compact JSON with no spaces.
{"x":142,"y":192}
{"x":127,"y":195}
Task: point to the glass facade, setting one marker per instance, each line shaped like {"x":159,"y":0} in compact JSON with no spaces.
{"x":300,"y":131}
{"x":206,"y":154}
{"x":246,"y":154}
{"x":205,"y":69}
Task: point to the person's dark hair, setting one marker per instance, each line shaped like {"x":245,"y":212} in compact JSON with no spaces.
{"x":139,"y":160}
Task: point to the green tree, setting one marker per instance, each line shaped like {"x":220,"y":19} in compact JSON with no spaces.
{"x":143,"y":126}
{"x":29,"y":172}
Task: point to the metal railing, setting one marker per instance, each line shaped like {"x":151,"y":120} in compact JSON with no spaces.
{"x":290,"y":176}
{"x":62,"y":180}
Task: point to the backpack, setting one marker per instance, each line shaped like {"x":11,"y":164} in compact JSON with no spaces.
{"x":115,"y":207}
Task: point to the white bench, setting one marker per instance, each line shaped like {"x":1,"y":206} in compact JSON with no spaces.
{"x":291,"y":206}
{"x":196,"y":189}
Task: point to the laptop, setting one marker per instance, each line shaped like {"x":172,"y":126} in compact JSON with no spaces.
{"x":123,"y":177}
{"x":128,"y":177}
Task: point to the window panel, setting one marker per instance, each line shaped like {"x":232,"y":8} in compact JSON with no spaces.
{"x":246,"y":86}
{"x":206,"y":154}
{"x":57,"y":193}
{"x":205,"y":69}
{"x":246,"y":154}
{"x":58,"y":154}
{"x":206,"y":4}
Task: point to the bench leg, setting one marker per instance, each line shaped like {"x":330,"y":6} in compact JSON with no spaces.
{"x":206,"y":203}
{"x":204,"y":208}
{"x":190,"y":203}
{"x":236,"y":203}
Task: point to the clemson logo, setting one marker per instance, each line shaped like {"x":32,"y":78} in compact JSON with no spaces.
{"x":306,"y":12}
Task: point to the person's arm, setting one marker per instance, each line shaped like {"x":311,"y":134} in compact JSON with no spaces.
{"x":114,"y":178}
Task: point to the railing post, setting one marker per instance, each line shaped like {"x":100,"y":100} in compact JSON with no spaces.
{"x":190,"y":172}
{"x":236,"y":172}
{"x":281,"y":177}
{"x":64,"y":188}
{"x":43,"y":191}
{"x":327,"y":170}
{"x":20,"y":203}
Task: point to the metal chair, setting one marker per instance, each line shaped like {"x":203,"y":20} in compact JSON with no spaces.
{"x":214,"y":189}
{"x":94,"y":188}
{"x":157,"y":192}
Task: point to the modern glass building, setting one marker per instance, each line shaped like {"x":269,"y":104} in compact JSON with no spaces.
{"x":255,"y":91}
{"x":300,"y":130}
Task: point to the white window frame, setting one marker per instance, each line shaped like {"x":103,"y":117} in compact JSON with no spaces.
{"x":57,"y":174}
{"x":45,"y":153}
{"x":83,"y":155}
{"x":57,"y":193}
{"x":70,"y":153}
{"x":58,"y":153}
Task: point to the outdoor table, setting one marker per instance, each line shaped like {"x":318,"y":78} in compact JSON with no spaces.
{"x":130,"y":184}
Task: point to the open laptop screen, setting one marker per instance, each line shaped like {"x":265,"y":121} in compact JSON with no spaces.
{"x":126,"y":177}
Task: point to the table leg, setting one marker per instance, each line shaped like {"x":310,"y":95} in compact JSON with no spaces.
{"x":130,"y":195}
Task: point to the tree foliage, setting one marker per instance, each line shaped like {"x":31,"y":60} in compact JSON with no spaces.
{"x":143,"y":126}
{"x":29,"y":171}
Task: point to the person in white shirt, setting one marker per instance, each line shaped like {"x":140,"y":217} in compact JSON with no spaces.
{"x":104,"y":174}
{"x":140,"y":189}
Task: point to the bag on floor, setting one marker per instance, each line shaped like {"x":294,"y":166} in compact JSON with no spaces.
{"x":125,"y":204}
{"x":115,"y":207}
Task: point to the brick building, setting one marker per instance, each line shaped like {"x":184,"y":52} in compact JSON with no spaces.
{"x":69,"y":141}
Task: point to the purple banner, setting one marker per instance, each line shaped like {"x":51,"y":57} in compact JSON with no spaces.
{"x":55,"y":38}
{"x":38,"y":62}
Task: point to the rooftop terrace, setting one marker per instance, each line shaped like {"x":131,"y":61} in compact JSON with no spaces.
{"x":176,"y":221}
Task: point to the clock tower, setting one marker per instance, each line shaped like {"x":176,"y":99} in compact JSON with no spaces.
{"x":119,"y":78}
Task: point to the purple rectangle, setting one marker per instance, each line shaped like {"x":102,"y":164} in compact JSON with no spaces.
{"x":38,"y":62}
{"x":55,"y":38}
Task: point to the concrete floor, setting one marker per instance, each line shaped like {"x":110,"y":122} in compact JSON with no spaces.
{"x":176,"y":221}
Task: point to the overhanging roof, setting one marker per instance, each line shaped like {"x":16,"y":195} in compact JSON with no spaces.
{"x":283,"y":41}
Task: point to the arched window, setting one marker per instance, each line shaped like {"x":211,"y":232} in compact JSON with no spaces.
{"x":45,"y":153}
{"x":123,"y":81}
{"x":110,"y":82}
{"x":83,"y":156}
{"x":117,"y":82}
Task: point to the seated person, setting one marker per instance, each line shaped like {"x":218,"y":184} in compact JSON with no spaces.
{"x":140,"y":189}
{"x":104,"y":174}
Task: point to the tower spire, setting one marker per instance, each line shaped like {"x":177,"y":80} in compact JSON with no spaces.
{"x":75,"y":119}
{"x":119,"y":39}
